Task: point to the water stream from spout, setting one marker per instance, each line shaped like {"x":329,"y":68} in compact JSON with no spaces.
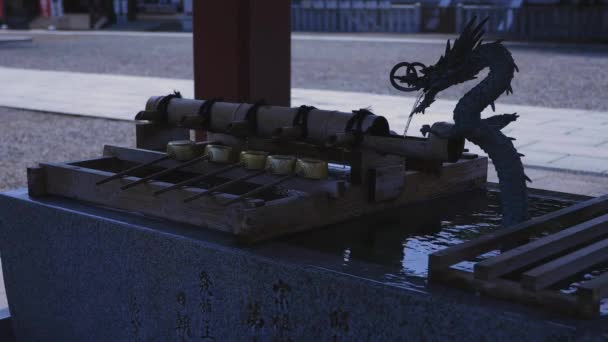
{"x":409,"y":119}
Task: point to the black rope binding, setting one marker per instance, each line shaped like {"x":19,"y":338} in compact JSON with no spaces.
{"x":163,"y":105}
{"x":252,"y":116}
{"x":301,"y":119}
{"x":205,"y":110}
{"x":358,"y":118}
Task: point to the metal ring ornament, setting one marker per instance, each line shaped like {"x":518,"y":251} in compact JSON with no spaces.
{"x":410,"y":71}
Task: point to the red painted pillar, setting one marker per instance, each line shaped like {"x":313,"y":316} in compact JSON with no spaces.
{"x":45,"y":8}
{"x":242,"y":50}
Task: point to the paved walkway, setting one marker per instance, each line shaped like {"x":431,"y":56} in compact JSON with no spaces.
{"x":575,"y":140}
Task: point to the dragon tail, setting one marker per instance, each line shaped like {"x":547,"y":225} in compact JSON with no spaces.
{"x":510,"y":171}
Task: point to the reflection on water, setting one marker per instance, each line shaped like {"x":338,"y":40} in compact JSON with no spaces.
{"x":402,"y":239}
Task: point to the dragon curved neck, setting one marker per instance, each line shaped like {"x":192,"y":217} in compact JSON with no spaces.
{"x":486,"y":132}
{"x":502,"y":67}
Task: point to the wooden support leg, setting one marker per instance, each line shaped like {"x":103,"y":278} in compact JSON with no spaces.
{"x":36,"y":181}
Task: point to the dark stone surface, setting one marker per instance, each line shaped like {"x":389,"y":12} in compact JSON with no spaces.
{"x":78,"y":273}
{"x":6,"y":327}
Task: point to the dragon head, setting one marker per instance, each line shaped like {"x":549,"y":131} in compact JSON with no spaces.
{"x":452,"y":68}
{"x":430,"y":80}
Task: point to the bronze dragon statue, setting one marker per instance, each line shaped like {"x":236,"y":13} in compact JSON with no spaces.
{"x":460,"y":63}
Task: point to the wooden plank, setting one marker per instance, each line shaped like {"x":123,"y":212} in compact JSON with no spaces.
{"x":566,"y":216}
{"x":566,"y":266}
{"x":540,"y":249}
{"x":94,"y":163}
{"x":243,"y":220}
{"x":597,"y":287}
{"x":131,"y":154}
{"x":590,"y":294}
{"x":79,"y":183}
{"x":422,"y":148}
{"x":513,"y":292}
{"x":457,"y":177}
{"x":282,"y":216}
{"x":36,"y":181}
{"x":464,"y":175}
{"x":386,"y":183}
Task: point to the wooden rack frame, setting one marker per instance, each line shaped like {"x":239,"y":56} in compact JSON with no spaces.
{"x":324,"y":201}
{"x":537,"y":264}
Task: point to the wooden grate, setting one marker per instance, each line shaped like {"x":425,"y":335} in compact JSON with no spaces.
{"x":530,"y":271}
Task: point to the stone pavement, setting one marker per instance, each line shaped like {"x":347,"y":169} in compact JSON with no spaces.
{"x":565,"y":139}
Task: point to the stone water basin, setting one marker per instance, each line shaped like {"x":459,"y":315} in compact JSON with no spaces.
{"x":401,"y":240}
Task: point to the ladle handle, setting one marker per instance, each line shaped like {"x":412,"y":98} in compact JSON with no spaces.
{"x":258,"y":190}
{"x":197,"y":178}
{"x":129,"y":170}
{"x":223,"y":185}
{"x":164,"y":172}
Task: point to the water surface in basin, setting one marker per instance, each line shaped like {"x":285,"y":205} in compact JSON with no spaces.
{"x":401,"y":240}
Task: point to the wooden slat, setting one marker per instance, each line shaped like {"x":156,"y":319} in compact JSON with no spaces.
{"x":567,"y":216}
{"x":79,"y":183}
{"x":36,"y":181}
{"x":513,"y":292}
{"x":566,"y":266}
{"x":540,"y":249}
{"x":597,"y":287}
{"x":386,"y":183}
{"x":590,"y":294}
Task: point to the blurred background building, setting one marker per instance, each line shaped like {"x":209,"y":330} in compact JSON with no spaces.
{"x":577,"y":20}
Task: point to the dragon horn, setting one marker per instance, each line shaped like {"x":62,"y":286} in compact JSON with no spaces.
{"x":478,"y":31}
{"x":467,"y":28}
{"x":447,"y":48}
{"x":480,"y":26}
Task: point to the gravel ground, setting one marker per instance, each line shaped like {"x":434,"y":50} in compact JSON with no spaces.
{"x":27,"y":138}
{"x":60,"y":138}
{"x":553,"y":76}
